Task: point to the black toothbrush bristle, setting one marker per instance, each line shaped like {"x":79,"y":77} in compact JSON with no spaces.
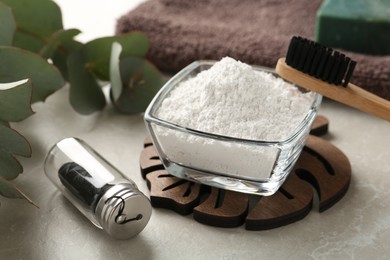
{"x":351,"y":67}
{"x":335,"y":68}
{"x":320,"y":70}
{"x":309,"y":59}
{"x":304,"y":53}
{"x":316,"y":60}
{"x":342,"y":69}
{"x":319,"y":61}
{"x":292,"y":48}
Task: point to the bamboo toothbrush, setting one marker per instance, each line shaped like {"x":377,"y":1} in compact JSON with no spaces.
{"x":327,"y":72}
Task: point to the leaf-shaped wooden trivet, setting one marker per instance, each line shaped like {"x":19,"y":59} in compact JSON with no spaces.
{"x":321,"y":165}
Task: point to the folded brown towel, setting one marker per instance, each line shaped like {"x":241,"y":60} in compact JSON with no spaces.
{"x":253,"y":31}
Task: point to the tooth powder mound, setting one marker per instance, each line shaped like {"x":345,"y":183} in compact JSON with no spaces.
{"x":233,"y":99}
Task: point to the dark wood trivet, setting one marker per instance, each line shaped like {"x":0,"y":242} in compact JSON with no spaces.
{"x":321,"y":166}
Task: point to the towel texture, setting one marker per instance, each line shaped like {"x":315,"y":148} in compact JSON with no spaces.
{"x":254,"y":31}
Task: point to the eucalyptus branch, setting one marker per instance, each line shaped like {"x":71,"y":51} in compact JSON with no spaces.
{"x":27,"y":45}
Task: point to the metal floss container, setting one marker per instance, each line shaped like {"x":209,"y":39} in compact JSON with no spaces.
{"x":97,"y":189}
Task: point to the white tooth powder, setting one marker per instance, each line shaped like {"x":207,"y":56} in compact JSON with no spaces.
{"x":231,"y":99}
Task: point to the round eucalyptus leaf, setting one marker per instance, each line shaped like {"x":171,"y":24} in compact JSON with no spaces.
{"x":15,"y":103}
{"x":14,"y":143}
{"x":9,"y":166}
{"x":29,"y":41}
{"x":55,"y":40}
{"x":4,"y":123}
{"x":97,"y":52}
{"x":141,"y":81}
{"x":8,"y":190}
{"x":7,"y":25}
{"x":86,"y":96}
{"x":36,"y":21}
{"x":61,"y":54}
{"x":17,"y":64}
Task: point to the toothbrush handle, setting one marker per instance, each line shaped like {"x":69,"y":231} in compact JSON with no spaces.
{"x":350,"y":95}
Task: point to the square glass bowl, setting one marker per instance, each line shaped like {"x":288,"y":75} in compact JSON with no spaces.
{"x":255,"y":167}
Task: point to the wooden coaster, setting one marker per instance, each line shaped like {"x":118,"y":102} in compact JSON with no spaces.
{"x":321,"y":166}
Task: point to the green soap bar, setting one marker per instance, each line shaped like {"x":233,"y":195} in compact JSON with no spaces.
{"x":355,"y":25}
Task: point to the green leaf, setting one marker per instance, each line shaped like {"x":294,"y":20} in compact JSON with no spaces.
{"x":61,"y":54}
{"x":9,"y":166}
{"x":29,"y":41}
{"x":17,"y":64}
{"x":13,"y":142}
{"x":41,"y":16}
{"x":36,"y":21}
{"x":97,"y":52}
{"x":15,"y":103}
{"x":141,"y":81}
{"x":115,"y":75}
{"x":55,"y":40}
{"x":7,"y":25}
{"x":8,"y":189}
{"x":4,"y":123}
{"x":86,"y":96}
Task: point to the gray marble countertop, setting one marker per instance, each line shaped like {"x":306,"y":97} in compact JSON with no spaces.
{"x":356,"y":227}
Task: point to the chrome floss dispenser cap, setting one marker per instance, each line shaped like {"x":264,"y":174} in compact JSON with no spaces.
{"x":124,"y":211}
{"x":99,"y":190}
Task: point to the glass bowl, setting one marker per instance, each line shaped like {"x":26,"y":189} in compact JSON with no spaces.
{"x":255,"y":166}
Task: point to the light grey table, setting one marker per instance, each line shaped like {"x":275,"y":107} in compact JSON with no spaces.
{"x":356,"y":227}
